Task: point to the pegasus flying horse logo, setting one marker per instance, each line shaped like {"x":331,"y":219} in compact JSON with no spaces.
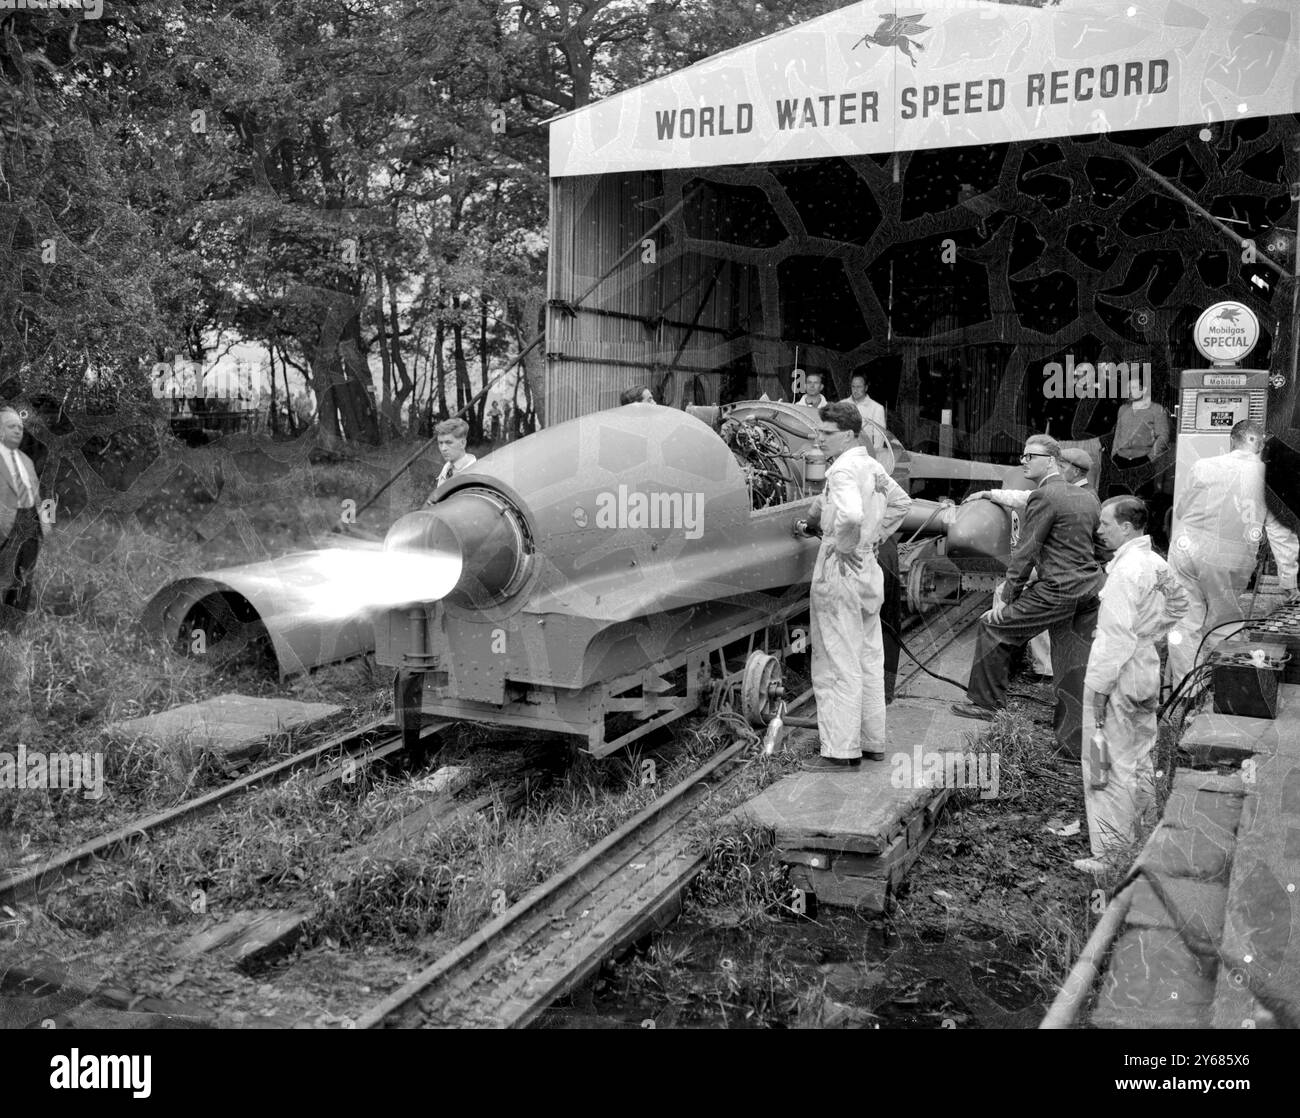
{"x":896,"y":31}
{"x":1231,"y":314}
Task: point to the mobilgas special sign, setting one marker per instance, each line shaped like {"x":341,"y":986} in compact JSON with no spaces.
{"x":881,"y":76}
{"x":1226,"y":333}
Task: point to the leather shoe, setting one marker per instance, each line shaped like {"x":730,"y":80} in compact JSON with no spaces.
{"x":970,"y":710}
{"x":821,"y":764}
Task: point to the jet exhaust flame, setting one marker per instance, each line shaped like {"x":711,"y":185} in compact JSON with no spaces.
{"x":339,"y":583}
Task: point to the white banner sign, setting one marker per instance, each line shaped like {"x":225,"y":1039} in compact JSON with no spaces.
{"x":881,"y":76}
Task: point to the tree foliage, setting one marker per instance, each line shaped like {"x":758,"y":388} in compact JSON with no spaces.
{"x":349,"y":182}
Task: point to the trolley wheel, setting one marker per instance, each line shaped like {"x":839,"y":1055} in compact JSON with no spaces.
{"x":932,"y":581}
{"x":760,"y":687}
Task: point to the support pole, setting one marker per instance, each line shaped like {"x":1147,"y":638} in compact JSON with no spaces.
{"x":1295,"y":297}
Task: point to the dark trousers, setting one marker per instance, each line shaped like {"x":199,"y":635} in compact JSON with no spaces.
{"x":1070,"y":618}
{"x":18,"y":555}
{"x":891,"y":611}
{"x":1151,"y":491}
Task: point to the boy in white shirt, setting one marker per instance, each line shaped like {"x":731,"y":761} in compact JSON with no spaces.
{"x":452,"y":435}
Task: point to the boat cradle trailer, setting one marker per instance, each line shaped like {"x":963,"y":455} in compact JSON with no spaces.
{"x":739,"y":670}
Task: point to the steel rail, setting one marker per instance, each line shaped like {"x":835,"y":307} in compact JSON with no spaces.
{"x":485,"y":981}
{"x":35,"y":880}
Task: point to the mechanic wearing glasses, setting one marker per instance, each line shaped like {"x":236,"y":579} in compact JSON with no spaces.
{"x":1059,"y":537}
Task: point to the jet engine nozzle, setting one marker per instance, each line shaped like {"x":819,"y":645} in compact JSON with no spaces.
{"x":481,"y":530}
{"x":980,"y":529}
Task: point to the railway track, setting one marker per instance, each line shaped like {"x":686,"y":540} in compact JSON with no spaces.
{"x":552,"y":940}
{"x":363,"y":746}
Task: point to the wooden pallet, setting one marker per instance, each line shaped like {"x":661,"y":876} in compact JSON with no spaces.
{"x":848,"y":879}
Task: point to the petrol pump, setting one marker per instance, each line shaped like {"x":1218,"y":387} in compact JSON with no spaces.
{"x":1212,"y":401}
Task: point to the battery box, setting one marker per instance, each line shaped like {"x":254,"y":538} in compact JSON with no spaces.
{"x":1240,"y":686}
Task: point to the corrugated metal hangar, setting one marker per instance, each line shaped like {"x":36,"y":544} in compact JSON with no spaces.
{"x":945,"y":198}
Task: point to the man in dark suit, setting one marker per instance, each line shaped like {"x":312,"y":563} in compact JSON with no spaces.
{"x":21,"y":526}
{"x":1059,"y":538}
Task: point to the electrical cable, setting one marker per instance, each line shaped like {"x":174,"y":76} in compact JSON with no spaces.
{"x":903,"y":645}
{"x":1195,"y":675}
{"x":1220,"y":625}
{"x":943,"y":678}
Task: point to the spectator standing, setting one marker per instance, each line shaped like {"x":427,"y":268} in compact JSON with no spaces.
{"x":813,"y":397}
{"x":452,"y":435}
{"x":873,"y":413}
{"x":1142,"y":430}
{"x":1222,"y":517}
{"x":1140,"y":603}
{"x":21,"y":525}
{"x":861,"y":506}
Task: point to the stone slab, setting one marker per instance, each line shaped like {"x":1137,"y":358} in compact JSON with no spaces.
{"x":1154,"y":982}
{"x":230,"y":724}
{"x":1189,"y":852}
{"x":1229,"y":784}
{"x":1210,"y":738}
{"x":1258,"y":984}
{"x":863,"y":810}
{"x":1215,"y":812}
{"x":1199,"y":905}
{"x":1262,"y":926}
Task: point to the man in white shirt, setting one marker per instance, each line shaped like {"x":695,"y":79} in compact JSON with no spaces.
{"x":860,"y":506}
{"x":452,"y":435}
{"x":813,"y":397}
{"x":873,"y":414}
{"x":21,"y":526}
{"x":1221,"y":518}
{"x":1140,"y":603}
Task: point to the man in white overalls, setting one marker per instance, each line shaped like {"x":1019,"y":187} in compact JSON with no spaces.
{"x":1221,"y":518}
{"x":860,"y":506}
{"x":1141,"y":602}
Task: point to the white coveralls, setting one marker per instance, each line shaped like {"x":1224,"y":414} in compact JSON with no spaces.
{"x":860,"y":506}
{"x":1140,"y":602}
{"x":1222,"y":517}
